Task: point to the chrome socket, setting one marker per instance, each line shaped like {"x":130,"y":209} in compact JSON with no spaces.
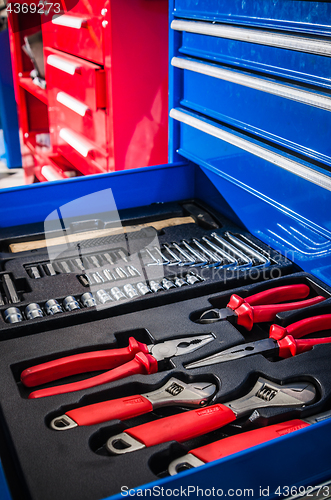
{"x":167,"y":284}
{"x":179,"y":282}
{"x":88,"y":300}
{"x":155,"y":286}
{"x":33,"y":311}
{"x":143,"y":288}
{"x":117,"y":293}
{"x":52,"y":307}
{"x":103,"y":297}
{"x":130,"y":291}
{"x":70,"y":303}
{"x":12,"y":315}
{"x":191,"y":279}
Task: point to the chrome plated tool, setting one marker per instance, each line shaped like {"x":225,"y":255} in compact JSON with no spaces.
{"x":137,"y":358}
{"x":173,"y":393}
{"x":260,"y":307}
{"x":281,"y":343}
{"x":194,"y":423}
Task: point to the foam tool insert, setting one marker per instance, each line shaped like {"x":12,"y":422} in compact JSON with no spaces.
{"x":41,"y":461}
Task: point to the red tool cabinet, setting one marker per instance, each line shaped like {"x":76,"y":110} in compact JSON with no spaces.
{"x":105,"y":104}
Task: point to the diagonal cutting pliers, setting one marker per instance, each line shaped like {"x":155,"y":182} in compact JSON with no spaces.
{"x":137,"y":358}
{"x":261,"y":307}
{"x":281,"y":342}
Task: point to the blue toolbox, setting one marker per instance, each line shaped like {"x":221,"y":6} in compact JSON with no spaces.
{"x":166,"y":332}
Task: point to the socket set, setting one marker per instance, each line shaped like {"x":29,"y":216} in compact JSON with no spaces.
{"x":170,"y":252}
{"x":74,"y":265}
{"x":100,"y":297}
{"x":212,"y":251}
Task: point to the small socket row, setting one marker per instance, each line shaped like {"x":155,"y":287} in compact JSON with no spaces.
{"x":73,"y":265}
{"x":50,"y":308}
{"x":130,"y":291}
{"x":108,"y":275}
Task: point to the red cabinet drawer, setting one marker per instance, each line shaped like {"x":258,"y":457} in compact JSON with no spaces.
{"x":81,"y":152}
{"x":65,"y":111}
{"x":76,"y":77}
{"x":78,"y":33}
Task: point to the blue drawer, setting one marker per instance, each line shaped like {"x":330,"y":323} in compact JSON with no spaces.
{"x":288,"y":14}
{"x":284,"y":121}
{"x":265,"y":59}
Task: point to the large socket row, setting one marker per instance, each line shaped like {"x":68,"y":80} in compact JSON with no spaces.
{"x":87,"y":299}
{"x":108,"y":275}
{"x":77,"y":264}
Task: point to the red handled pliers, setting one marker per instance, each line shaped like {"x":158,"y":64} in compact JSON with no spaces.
{"x":137,"y":358}
{"x":281,"y":342}
{"x":261,"y":307}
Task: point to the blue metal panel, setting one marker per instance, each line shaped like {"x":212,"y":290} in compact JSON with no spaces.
{"x":290,"y":124}
{"x":4,"y":491}
{"x":8,"y":111}
{"x":299,"y":66}
{"x":131,"y":188}
{"x":280,"y":14}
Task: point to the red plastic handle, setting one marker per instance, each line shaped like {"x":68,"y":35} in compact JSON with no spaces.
{"x":302,"y":327}
{"x":143,"y":364}
{"x":279,"y":294}
{"x":184,"y":426}
{"x":248,"y":315}
{"x":271,"y":296}
{"x":81,"y":363}
{"x":288,"y":346}
{"x":121,"y":409}
{"x":233,"y":444}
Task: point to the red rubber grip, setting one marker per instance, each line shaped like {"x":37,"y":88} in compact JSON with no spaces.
{"x":288,"y":346}
{"x":143,"y":364}
{"x":184,"y":426}
{"x":279,"y":294}
{"x":233,"y":444}
{"x":120,"y":409}
{"x":248,"y":315}
{"x":271,"y":296}
{"x":81,"y":363}
{"x":302,"y":327}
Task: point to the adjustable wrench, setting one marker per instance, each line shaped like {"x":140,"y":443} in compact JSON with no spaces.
{"x":195,"y":423}
{"x":233,"y":444}
{"x":173,"y":393}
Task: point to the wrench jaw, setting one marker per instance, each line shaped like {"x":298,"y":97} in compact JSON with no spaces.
{"x":270,"y":394}
{"x":63,"y":423}
{"x":186,"y":462}
{"x":177,"y":393}
{"x":123,"y":443}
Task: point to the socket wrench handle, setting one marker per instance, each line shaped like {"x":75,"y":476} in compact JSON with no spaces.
{"x":81,"y":363}
{"x":143,"y":364}
{"x":180,"y":428}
